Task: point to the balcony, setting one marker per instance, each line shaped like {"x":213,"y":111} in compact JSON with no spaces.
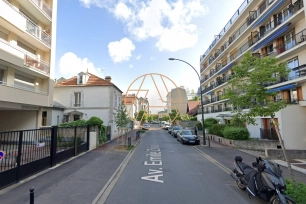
{"x":39,"y":9}
{"x":258,"y":36}
{"x":14,"y":18}
{"x":20,"y":58}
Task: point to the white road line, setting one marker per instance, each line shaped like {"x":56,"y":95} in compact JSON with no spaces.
{"x":221,"y":166}
{"x":106,"y":190}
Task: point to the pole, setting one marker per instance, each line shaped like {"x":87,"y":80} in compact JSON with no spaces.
{"x":31,"y":195}
{"x":203,"y":127}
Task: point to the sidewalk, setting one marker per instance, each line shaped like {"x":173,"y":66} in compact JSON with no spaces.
{"x":59,"y":184}
{"x":225,"y":155}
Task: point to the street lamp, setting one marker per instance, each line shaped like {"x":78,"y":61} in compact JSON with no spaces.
{"x":203,"y":128}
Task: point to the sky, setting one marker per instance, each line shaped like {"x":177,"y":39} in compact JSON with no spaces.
{"x":128,"y":39}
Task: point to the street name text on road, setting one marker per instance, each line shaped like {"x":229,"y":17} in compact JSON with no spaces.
{"x":155,"y":159}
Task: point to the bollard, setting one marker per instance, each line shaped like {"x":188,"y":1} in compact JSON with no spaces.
{"x":129,"y":141}
{"x":31,"y":195}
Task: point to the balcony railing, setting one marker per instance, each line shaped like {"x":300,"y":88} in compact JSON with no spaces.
{"x":252,"y":17}
{"x":44,"y":7}
{"x":32,"y":28}
{"x":31,"y":60}
{"x":38,"y":33}
{"x":259,"y":36}
{"x":26,"y":88}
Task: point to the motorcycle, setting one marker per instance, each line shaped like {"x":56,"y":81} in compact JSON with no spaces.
{"x":265,"y":181}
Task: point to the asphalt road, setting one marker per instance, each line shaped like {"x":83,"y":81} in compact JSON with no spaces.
{"x":180,"y":175}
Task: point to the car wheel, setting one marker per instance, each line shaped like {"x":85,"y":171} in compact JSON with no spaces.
{"x":183,"y":142}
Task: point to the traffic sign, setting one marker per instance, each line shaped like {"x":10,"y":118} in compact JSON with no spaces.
{"x":2,"y":154}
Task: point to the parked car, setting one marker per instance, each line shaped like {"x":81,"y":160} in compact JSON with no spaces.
{"x":170,"y":129}
{"x":166,"y":127}
{"x":187,"y":137}
{"x":146,"y":126}
{"x":175,"y":129}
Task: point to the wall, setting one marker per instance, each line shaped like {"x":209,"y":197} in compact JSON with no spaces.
{"x":17,"y":120}
{"x":293,"y":127}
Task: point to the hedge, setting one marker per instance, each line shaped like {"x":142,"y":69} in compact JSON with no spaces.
{"x":208,"y":122}
{"x":236,"y":133}
{"x":217,"y":129}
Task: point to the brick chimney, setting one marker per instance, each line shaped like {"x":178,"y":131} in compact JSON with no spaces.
{"x":108,"y":78}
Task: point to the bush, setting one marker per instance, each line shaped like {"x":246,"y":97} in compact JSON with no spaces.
{"x":210,"y":122}
{"x":217,"y":129}
{"x":298,"y":193}
{"x":199,"y":125}
{"x":237,"y":122}
{"x":236,"y":133}
{"x":194,"y":118}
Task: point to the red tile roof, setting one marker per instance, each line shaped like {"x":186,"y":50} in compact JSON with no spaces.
{"x":193,"y":107}
{"x":93,"y":80}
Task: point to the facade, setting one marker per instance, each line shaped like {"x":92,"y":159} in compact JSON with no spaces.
{"x":265,"y":28}
{"x":131,"y":102}
{"x":177,"y":99}
{"x":87,"y":95}
{"x":27,"y":62}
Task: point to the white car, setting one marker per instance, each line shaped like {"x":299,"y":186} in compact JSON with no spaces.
{"x":146,"y":126}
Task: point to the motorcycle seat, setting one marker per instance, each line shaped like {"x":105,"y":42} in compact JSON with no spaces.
{"x":246,"y":169}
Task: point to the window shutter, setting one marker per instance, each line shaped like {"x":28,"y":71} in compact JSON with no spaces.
{"x":71,"y":99}
{"x":82,"y":99}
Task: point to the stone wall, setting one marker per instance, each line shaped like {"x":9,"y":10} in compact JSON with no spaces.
{"x":292,"y":154}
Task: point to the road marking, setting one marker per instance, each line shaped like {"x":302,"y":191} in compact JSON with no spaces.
{"x":155,"y":159}
{"x":221,"y":166}
{"x":106,"y":190}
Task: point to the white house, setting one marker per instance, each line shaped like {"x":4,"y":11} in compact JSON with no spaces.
{"x":87,"y":95}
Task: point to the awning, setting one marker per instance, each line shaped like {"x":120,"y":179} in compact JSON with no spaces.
{"x":226,"y":68}
{"x":272,"y":36}
{"x":268,"y":13}
{"x":74,"y":113}
{"x":209,"y":93}
{"x":281,"y":88}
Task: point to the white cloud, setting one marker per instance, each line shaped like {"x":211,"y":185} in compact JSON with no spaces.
{"x":121,"y":50}
{"x":70,"y":65}
{"x":170,"y":23}
{"x":131,"y":66}
{"x":138,"y":57}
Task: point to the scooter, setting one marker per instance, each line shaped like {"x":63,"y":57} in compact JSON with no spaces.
{"x":265,"y":181}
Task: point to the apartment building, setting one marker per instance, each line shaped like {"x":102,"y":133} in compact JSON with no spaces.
{"x":177,"y":99}
{"x":27,"y":56}
{"x":264,"y":28}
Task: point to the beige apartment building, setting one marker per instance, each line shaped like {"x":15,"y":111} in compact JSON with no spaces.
{"x":177,"y":99}
{"x":27,"y":56}
{"x":264,"y":28}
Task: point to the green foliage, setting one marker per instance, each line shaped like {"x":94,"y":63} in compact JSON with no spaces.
{"x":297,"y":192}
{"x":121,"y":117}
{"x":175,"y":115}
{"x":196,"y":98}
{"x":217,"y":129}
{"x":77,"y":123}
{"x":236,"y":133}
{"x":155,"y":117}
{"x":130,"y":147}
{"x":208,"y":122}
{"x":185,"y":117}
{"x":194,"y":118}
{"x":165,"y":118}
{"x":150,"y":118}
{"x":94,"y":121}
{"x":237,"y":122}
{"x":142,"y":116}
{"x":251,"y":76}
{"x":199,"y":125}
{"x":142,"y":131}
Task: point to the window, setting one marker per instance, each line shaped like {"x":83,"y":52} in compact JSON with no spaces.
{"x":81,"y":79}
{"x":57,"y":122}
{"x":293,"y":63}
{"x":76,"y":117}
{"x":77,"y":99}
{"x":268,"y":26}
{"x":26,"y":48}
{"x":115,"y":101}
{"x":3,"y":35}
{"x":270,"y":49}
{"x":65,"y":119}
{"x":1,"y":76}
{"x":289,"y":40}
{"x":44,"y":118}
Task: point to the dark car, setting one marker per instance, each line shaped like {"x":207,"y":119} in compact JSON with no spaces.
{"x":175,"y":129}
{"x":187,"y":137}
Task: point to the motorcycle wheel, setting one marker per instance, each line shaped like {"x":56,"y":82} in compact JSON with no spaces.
{"x":275,"y":200}
{"x":240,"y":185}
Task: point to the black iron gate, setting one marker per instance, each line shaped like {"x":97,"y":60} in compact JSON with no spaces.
{"x":27,"y":152}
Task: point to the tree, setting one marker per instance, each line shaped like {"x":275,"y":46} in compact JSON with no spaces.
{"x":196,"y":98}
{"x":185,"y":117}
{"x":155,"y":117}
{"x":150,"y":118}
{"x":248,"y":89}
{"x":175,"y":115}
{"x":142,"y":116}
{"x":121,"y":118}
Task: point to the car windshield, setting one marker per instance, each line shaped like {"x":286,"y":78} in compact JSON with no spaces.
{"x":187,"y":132}
{"x":177,"y":128}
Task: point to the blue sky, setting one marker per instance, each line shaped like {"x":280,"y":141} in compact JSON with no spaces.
{"x":125,"y":39}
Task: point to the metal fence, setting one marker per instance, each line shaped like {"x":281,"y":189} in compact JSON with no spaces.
{"x":27,"y":152}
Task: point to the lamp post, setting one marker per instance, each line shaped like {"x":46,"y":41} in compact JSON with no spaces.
{"x":203,"y":128}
